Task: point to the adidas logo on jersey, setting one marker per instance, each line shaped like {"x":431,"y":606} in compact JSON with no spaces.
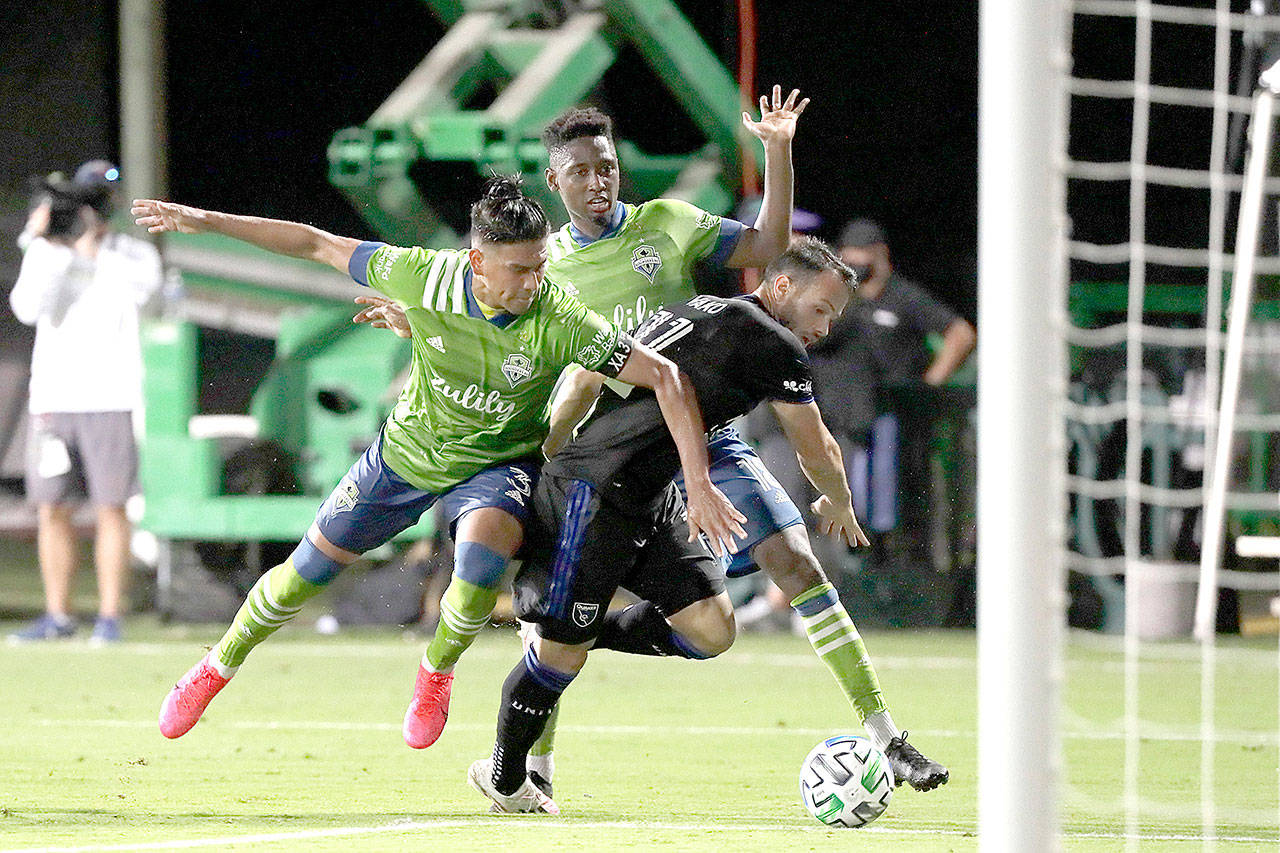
{"x":436,"y":342}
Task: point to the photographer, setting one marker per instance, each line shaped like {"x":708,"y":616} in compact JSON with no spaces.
{"x":82,"y":285}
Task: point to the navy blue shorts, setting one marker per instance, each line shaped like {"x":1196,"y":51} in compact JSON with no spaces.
{"x":583,"y":549}
{"x":738,"y":472}
{"x":372,"y":503}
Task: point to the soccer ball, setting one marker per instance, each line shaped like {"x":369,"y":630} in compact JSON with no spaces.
{"x":846,"y":781}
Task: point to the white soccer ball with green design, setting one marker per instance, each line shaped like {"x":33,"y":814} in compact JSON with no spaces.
{"x":846,"y":781}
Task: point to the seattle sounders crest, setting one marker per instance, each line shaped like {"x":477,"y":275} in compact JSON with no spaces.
{"x":517,"y":368}
{"x":646,"y":261}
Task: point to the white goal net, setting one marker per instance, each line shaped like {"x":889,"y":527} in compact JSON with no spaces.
{"x":1152,"y":170}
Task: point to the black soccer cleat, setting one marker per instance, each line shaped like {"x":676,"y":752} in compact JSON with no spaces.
{"x":542,"y":784}
{"x":923,"y":774}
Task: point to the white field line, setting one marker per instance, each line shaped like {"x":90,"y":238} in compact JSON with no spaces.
{"x":566,"y":826}
{"x":1152,"y":653}
{"x":1152,"y":731}
{"x":803,"y":657}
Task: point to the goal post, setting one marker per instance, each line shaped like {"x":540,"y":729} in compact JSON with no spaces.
{"x":1021,"y":607}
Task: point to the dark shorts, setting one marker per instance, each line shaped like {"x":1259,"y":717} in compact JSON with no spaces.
{"x":738,"y":472}
{"x":82,"y":454}
{"x":582,"y":550}
{"x":372,"y":503}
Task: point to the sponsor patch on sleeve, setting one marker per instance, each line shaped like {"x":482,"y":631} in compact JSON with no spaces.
{"x":385,"y":261}
{"x":618,"y":358}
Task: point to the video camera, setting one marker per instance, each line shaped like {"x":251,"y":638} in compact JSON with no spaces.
{"x":93,"y":187}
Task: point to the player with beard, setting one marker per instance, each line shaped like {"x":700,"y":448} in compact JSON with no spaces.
{"x":625,"y":262}
{"x":609,"y":516}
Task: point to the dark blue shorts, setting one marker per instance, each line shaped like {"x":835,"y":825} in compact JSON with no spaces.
{"x":738,"y":472}
{"x":372,"y":503}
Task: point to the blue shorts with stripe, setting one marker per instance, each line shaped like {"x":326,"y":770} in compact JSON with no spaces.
{"x":738,"y":472}
{"x":583,"y":549}
{"x":372,"y":503}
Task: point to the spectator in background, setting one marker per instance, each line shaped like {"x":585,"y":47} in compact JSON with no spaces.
{"x":889,"y":324}
{"x":873,"y":379}
{"x":82,"y":285}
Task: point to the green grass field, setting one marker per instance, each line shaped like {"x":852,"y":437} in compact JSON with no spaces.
{"x":303,"y":750}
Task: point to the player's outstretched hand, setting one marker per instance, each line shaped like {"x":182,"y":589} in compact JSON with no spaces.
{"x":777,"y":120}
{"x":161,"y":216}
{"x":383,"y":313}
{"x":711,"y":513}
{"x":839,"y":521}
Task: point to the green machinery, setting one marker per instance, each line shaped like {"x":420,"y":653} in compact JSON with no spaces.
{"x":539,"y":63}
{"x":323,"y":395}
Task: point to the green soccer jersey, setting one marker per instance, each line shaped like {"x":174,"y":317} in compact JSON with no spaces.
{"x":643,"y":260}
{"x":478,"y":389}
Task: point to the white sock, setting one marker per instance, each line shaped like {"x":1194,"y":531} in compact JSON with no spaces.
{"x":220,"y":667}
{"x":880,"y":728}
{"x":543,"y":765}
{"x":426,"y":664}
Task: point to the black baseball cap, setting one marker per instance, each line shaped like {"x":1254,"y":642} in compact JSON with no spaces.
{"x":97,"y":173}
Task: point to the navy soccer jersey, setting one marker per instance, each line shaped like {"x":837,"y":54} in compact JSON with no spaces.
{"x":735,"y":355}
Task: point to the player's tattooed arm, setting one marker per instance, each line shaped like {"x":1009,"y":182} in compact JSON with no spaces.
{"x":383,"y":313}
{"x":709,"y":511}
{"x":275,"y":235}
{"x":771,"y":233}
{"x":577,"y":393}
{"x":823,"y":465}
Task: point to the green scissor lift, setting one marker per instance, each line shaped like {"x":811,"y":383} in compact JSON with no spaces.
{"x":327,"y":390}
{"x":537,"y":71}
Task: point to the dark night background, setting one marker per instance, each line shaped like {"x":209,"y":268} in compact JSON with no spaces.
{"x":257,"y":90}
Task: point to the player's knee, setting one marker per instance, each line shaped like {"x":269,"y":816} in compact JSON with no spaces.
{"x":313,"y":562}
{"x":706,"y":628}
{"x":479,"y":565}
{"x":789,"y":561}
{"x":718,"y":638}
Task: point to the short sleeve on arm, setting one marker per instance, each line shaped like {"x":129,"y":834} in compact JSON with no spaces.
{"x":399,"y":273}
{"x":697,"y":233}
{"x":730,"y":232}
{"x":924,"y":311}
{"x":781,"y":369}
{"x":358,"y":266}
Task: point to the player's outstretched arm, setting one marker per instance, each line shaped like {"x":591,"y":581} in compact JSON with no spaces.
{"x":823,"y":465}
{"x":275,"y":235}
{"x":771,"y":234}
{"x":710,"y":512}
{"x":577,"y":392}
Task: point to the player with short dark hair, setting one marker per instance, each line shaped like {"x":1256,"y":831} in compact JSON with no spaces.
{"x":490,"y":338}
{"x":608,"y":515}
{"x":624,"y":261}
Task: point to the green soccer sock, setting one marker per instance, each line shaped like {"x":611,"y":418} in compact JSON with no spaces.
{"x":546,"y":742}
{"x":833,"y":636}
{"x":274,"y":600}
{"x":464,"y":610}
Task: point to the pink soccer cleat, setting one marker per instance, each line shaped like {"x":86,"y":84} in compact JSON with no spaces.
{"x":189,"y":697}
{"x":429,"y":710}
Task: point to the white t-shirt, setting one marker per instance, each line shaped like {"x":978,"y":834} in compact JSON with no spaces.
{"x":87,"y":356}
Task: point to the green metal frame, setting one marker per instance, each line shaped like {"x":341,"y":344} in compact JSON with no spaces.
{"x":537,"y":73}
{"x":318,"y":352}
